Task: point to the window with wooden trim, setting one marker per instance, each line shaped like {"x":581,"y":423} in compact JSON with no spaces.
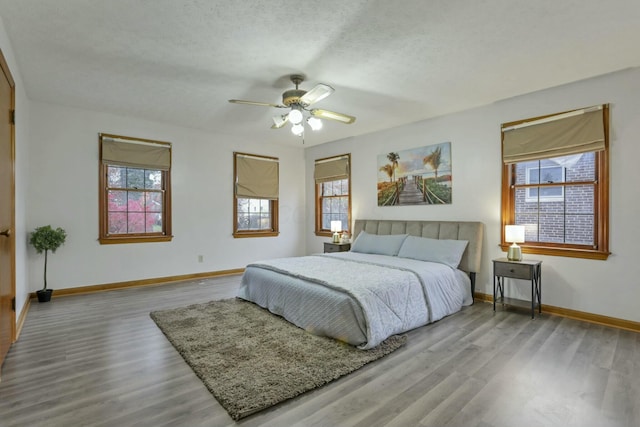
{"x":135,"y":190}
{"x":333,"y":193}
{"x":256,"y":190}
{"x":555,"y":182}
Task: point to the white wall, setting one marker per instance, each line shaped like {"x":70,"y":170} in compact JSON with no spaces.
{"x":609,"y":287}
{"x":63,"y":192}
{"x":21,"y":170}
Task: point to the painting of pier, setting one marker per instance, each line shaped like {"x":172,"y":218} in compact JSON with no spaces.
{"x":419,"y":176}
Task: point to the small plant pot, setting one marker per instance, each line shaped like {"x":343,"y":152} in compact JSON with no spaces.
{"x":44,"y":295}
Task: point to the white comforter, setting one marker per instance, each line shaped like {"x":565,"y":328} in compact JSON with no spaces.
{"x":395,"y":294}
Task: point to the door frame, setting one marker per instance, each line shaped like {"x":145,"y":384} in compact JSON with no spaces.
{"x":4,"y":67}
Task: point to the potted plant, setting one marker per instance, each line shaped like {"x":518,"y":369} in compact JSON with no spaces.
{"x":45,"y":239}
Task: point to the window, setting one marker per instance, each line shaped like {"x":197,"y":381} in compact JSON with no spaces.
{"x":135,"y":195}
{"x":333,"y":193}
{"x":255,"y":212}
{"x":537,"y":173}
{"x":556,"y":183}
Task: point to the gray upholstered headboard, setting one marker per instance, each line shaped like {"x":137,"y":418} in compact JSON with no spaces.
{"x":457,"y":230}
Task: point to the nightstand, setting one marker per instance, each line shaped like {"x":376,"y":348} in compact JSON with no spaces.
{"x":336,"y":247}
{"x":525,"y":270}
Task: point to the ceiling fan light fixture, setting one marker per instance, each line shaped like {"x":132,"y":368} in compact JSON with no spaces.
{"x":297,"y":129}
{"x":314,"y":123}
{"x":296,"y":103}
{"x":295,"y":116}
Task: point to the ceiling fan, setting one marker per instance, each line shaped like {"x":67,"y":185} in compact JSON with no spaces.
{"x":298,"y":102}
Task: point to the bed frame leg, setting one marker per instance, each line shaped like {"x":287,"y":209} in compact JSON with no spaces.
{"x":472,"y":276}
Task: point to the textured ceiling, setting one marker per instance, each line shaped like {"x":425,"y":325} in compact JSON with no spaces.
{"x":391,"y":62}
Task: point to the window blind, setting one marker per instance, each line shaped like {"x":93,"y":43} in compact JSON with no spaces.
{"x":574,"y":132}
{"x":256,"y":177}
{"x":331,"y":169}
{"x":134,"y":153}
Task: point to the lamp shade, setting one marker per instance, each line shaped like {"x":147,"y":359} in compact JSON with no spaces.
{"x":314,"y":123}
{"x":514,"y":233}
{"x":297,"y":129}
{"x":295,"y":116}
{"x":336,"y":226}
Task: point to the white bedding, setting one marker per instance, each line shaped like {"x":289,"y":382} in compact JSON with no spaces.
{"x":359,"y":298}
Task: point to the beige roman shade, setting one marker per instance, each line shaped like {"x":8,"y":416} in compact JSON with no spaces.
{"x":574,"y":132}
{"x":136,"y":153}
{"x":256,"y":177}
{"x":331,"y":169}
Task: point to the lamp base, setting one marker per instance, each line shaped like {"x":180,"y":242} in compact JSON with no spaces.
{"x":515,"y":253}
{"x":336,"y":237}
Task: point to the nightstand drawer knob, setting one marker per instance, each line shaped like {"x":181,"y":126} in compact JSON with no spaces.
{"x":512,"y":270}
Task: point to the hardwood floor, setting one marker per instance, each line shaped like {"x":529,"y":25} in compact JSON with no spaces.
{"x":99,"y":360}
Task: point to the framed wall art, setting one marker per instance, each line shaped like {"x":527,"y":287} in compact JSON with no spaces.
{"x":419,"y":176}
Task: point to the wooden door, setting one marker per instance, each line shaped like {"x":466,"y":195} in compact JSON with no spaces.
{"x":7,"y":212}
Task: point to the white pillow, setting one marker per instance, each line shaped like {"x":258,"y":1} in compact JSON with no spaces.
{"x":447,"y":252}
{"x":387,"y":244}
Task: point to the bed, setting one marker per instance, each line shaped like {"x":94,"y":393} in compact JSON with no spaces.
{"x":399,"y":275}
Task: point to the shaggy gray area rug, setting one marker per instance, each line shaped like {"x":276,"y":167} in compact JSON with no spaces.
{"x":251,"y":359}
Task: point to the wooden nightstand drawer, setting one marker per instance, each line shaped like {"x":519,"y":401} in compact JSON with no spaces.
{"x":513,"y":270}
{"x":336,"y":247}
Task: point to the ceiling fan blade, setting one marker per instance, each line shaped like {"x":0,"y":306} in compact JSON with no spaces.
{"x":318,"y":93}
{"x":279,"y":121}
{"x":332,"y":115}
{"x":260,"y":104}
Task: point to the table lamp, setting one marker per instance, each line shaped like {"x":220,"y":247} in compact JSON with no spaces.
{"x":336,"y":227}
{"x":514,"y":234}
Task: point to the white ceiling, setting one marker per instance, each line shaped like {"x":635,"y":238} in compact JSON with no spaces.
{"x":391,"y":62}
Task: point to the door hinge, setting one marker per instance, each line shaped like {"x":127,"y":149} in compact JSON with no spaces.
{"x":13,"y":117}
{"x":13,"y":304}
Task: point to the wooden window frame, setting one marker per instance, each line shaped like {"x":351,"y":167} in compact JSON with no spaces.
{"x":105,"y":237}
{"x":600,"y":249}
{"x":273,"y":207}
{"x":319,"y":231}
